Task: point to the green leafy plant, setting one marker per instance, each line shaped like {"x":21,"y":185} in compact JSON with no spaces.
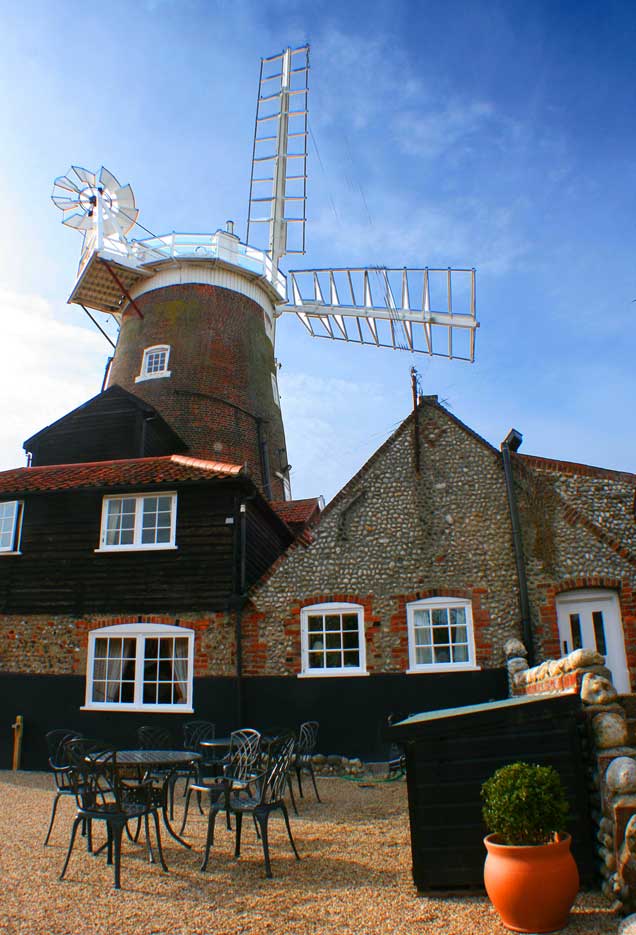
{"x":524,"y":804}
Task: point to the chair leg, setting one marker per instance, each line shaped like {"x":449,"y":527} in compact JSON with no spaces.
{"x":116,"y":835}
{"x":209,"y":841}
{"x":283,"y":809}
{"x":164,"y":866}
{"x":262,"y":820}
{"x":300,"y":785}
{"x":239,"y":825}
{"x":76,"y":825}
{"x":133,"y":838}
{"x":313,"y":779}
{"x":185,"y":810}
{"x":48,"y":833}
{"x":291,"y":794}
{"x":151,"y":856}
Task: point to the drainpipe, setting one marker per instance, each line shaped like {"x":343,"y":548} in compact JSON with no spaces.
{"x":264,"y":457}
{"x":512,"y":442}
{"x":240,"y":577}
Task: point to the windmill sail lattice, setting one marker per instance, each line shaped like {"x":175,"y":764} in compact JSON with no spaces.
{"x":278,"y":184}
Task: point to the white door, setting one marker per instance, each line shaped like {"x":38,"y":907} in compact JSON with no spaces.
{"x":592,"y":620}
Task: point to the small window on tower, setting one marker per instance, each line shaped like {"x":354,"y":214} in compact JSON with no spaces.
{"x":154,"y":363}
{"x":275,"y":390}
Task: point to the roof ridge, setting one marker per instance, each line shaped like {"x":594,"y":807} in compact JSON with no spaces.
{"x":206,"y":465}
{"x":575,"y":467}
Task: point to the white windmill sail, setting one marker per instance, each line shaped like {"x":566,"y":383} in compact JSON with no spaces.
{"x":278,"y":184}
{"x":427,"y":311}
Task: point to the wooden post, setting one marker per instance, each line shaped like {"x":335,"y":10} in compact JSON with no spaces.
{"x":18,"y":729}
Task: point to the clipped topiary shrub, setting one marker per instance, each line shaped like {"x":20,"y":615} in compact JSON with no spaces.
{"x":524,"y":804}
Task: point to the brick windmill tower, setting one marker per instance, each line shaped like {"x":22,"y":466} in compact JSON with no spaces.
{"x":197,"y":314}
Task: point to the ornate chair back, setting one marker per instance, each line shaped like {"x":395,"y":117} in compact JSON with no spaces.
{"x":154,"y":738}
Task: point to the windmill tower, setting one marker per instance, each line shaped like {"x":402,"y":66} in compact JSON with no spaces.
{"x":197,"y":313}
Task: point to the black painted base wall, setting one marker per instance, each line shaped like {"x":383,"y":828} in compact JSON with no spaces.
{"x":352,"y":711}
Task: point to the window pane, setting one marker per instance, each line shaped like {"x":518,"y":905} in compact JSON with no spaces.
{"x":460,"y":654}
{"x":442,"y":654}
{"x":440,"y":635}
{"x":350,"y":640}
{"x":423,"y":637}
{"x":127,"y":692}
{"x":423,"y":655}
{"x":350,"y":622}
{"x":99,"y":691}
{"x":101,"y":648}
{"x":351,"y":658}
{"x":459,"y":634}
{"x":150,"y":693}
{"x":440,"y":617}
{"x":575,"y":629}
{"x":333,"y":660}
{"x":334,"y":640}
{"x":8,"y":518}
{"x":422,"y":618}
{"x":315,"y":660}
{"x":599,"y":632}
{"x":332,"y":622}
{"x":314,"y":624}
{"x":316,"y":642}
{"x":151,"y":650}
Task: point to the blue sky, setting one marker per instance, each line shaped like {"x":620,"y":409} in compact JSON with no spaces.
{"x":499,"y":135}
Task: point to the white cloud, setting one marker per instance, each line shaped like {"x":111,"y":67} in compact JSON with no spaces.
{"x":47,"y":368}
{"x":437,"y":130}
{"x":333,"y":427}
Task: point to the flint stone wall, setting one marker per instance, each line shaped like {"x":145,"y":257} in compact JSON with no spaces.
{"x":393,"y":536}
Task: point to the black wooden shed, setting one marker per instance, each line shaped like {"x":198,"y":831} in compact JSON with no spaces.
{"x":449,"y":754}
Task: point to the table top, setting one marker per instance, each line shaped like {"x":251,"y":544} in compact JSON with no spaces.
{"x":156,"y":757}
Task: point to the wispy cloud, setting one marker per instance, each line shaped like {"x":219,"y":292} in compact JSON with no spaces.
{"x":321,"y":446}
{"x":47,"y":368}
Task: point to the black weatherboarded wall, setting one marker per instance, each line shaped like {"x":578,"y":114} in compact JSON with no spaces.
{"x":449,"y":757}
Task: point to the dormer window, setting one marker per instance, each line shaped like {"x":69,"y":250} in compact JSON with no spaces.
{"x":154,"y":363}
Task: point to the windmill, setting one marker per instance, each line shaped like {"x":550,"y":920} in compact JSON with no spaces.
{"x":197,"y":313}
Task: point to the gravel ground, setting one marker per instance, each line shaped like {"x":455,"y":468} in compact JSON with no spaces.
{"x":354,"y":876}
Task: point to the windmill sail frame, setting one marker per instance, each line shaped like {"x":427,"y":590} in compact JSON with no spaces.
{"x":280,"y":144}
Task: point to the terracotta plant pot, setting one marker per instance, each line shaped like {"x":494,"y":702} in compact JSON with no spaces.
{"x":532,"y":888}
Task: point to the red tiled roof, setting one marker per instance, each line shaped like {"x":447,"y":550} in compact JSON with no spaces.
{"x":297,"y":512}
{"x":167,"y":469}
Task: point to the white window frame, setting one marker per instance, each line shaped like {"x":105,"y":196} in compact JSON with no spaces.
{"x":157,"y":374}
{"x":16,"y":528}
{"x":140,"y":632}
{"x":275,"y":392}
{"x":340,"y":671}
{"x":137,"y":545}
{"x":433,"y":603}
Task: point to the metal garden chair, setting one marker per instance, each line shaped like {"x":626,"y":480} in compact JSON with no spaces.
{"x":264,"y":795}
{"x":240,"y":766}
{"x":101,"y":795}
{"x":60,"y":767}
{"x":304,"y":751}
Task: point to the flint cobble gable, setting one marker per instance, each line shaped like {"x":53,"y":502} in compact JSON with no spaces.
{"x":394,"y":535}
{"x":579,"y":532}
